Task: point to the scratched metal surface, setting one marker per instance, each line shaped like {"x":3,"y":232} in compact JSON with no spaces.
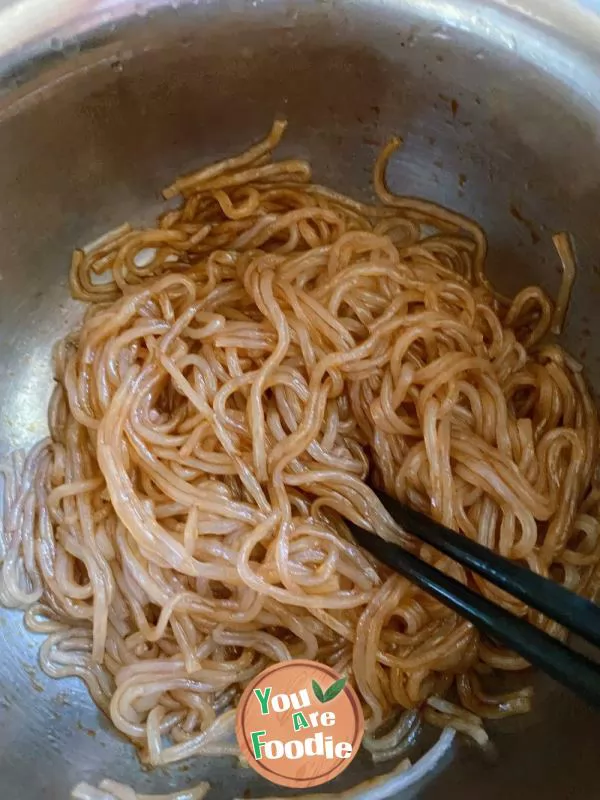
{"x":101,"y":103}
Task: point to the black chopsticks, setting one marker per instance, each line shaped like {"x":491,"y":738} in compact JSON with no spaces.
{"x":576,"y":613}
{"x":572,"y":669}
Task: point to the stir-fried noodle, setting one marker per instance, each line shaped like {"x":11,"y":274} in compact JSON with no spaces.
{"x":240,"y":370}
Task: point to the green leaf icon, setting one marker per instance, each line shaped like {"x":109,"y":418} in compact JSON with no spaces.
{"x":335,"y":689}
{"x":318,"y":692}
{"x":332,"y":692}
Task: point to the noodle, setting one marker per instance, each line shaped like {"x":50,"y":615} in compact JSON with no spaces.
{"x":111,"y":790}
{"x":564,"y":248}
{"x":240,"y":371}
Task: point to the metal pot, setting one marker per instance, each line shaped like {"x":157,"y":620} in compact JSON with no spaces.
{"x":102,"y":103}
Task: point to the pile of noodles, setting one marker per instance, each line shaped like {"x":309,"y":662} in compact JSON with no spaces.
{"x":242,"y":368}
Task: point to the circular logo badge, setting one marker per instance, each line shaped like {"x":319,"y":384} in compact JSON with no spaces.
{"x":299,"y":724}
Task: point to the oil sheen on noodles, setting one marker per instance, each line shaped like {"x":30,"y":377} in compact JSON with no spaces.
{"x":241,"y":368}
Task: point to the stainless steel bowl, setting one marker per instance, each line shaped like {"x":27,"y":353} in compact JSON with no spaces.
{"x":102,"y":103}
